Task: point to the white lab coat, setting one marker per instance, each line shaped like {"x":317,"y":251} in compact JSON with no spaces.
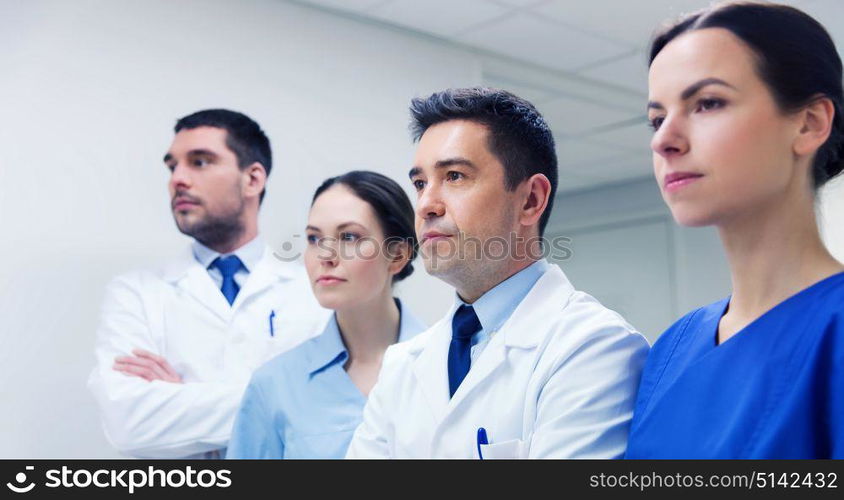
{"x":180,"y":313}
{"x":558,"y":379}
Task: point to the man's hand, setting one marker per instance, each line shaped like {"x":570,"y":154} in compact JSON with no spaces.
{"x":147,"y":366}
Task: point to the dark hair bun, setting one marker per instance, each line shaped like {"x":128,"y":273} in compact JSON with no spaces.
{"x":406,"y":271}
{"x":833,"y":164}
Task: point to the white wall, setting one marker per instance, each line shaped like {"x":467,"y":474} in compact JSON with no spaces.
{"x":628,"y":253}
{"x":831,"y":216}
{"x":89,"y":93}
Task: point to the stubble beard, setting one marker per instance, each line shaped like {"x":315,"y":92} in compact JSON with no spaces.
{"x":214,"y":230}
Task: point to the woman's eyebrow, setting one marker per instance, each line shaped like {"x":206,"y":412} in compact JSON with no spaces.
{"x":692,"y":90}
{"x":351,"y":223}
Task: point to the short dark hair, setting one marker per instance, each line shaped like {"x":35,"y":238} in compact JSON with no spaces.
{"x":795,"y":57}
{"x":519,"y":137}
{"x":391,"y":205}
{"x":243,"y":136}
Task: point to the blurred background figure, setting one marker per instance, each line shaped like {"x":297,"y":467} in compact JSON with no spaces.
{"x":177,"y":344}
{"x":307,"y":402}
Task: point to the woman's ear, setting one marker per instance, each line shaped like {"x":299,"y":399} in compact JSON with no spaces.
{"x":398,"y":253}
{"x":815,"y":126}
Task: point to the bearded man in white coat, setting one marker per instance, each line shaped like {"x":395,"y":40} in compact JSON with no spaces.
{"x":177,"y":344}
{"x":522,"y":365}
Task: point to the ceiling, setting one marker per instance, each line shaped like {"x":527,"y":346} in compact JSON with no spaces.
{"x":582,"y":63}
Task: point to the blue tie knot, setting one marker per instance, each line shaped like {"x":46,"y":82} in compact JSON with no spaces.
{"x":228,"y":266}
{"x":465,"y":323}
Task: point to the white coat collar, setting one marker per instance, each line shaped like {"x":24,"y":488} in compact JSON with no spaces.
{"x":189,"y":275}
{"x":249,"y":254}
{"x":178,"y":268}
{"x":552,"y":290}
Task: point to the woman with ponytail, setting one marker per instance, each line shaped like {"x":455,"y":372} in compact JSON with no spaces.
{"x":745,"y":100}
{"x":307,"y":402}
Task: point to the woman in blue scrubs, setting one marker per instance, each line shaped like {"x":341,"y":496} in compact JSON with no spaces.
{"x":745,"y":101}
{"x":307,"y":402}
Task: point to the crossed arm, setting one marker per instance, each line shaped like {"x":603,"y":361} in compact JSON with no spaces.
{"x":146,"y":365}
{"x":147,"y":409}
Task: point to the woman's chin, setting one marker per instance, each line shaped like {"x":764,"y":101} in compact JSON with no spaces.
{"x":692,"y":216}
{"x":331,"y":300}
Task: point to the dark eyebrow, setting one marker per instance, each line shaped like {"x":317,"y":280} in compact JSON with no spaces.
{"x":448,"y":162}
{"x":341,"y":226}
{"x":347,"y":224}
{"x":695,"y":87}
{"x":201,"y":152}
{"x":692,"y":90}
{"x":193,"y":152}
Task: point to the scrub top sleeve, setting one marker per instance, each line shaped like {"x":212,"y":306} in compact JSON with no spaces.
{"x":254,"y":434}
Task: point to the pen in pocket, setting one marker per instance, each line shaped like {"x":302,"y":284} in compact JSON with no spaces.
{"x":272,"y":327}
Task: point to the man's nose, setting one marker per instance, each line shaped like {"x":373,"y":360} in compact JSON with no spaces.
{"x":180,"y":178}
{"x":430,"y":203}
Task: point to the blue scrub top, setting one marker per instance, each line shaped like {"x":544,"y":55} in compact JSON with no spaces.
{"x":302,"y":403}
{"x":773,"y":390}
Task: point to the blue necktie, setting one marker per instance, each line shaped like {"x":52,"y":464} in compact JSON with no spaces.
{"x":228,"y":266}
{"x":464,"y":325}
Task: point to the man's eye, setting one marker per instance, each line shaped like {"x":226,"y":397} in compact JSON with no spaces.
{"x":418,"y":185}
{"x":453,"y":176}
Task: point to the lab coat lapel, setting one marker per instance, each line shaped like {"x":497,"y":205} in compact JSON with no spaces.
{"x":522,"y":330}
{"x":431,"y":368}
{"x":267,"y":272}
{"x":190,"y":277}
{"x":491,"y":358}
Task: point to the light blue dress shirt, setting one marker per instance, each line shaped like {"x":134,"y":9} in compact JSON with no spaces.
{"x":303,"y":404}
{"x":497,"y":305}
{"x":249,"y":254}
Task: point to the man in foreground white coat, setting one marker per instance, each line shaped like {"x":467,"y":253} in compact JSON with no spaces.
{"x":177,"y":344}
{"x":522,"y":365}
